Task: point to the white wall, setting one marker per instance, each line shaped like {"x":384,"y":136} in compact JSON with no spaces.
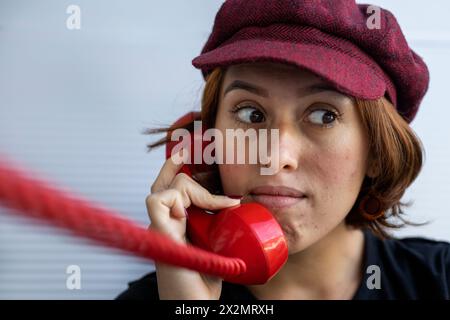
{"x":73,"y":105}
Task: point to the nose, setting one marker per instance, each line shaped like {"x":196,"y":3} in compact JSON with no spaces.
{"x":287,"y":148}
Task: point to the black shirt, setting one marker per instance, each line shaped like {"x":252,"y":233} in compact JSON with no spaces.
{"x":409,"y":268}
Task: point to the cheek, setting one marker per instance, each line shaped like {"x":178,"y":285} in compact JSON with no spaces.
{"x":338,"y":173}
{"x":234,"y":178}
{"x":340,"y":167}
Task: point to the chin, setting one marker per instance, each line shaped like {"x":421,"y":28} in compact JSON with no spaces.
{"x":296,"y":248}
{"x":300,"y":237}
{"x":296,"y":242}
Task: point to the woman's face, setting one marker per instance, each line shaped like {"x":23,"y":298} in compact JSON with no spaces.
{"x":323,"y":147}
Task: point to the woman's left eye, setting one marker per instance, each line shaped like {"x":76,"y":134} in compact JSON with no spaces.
{"x":323,"y":117}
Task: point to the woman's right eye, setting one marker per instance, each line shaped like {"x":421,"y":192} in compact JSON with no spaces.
{"x":249,"y":114}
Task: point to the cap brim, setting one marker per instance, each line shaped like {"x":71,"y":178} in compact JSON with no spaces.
{"x":348,"y":73}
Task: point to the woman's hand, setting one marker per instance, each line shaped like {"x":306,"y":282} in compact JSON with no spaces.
{"x":170,"y":194}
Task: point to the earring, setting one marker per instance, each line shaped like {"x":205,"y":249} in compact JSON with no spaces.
{"x":370,"y":207}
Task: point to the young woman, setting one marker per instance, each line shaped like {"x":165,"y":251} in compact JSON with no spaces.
{"x":342,"y":96}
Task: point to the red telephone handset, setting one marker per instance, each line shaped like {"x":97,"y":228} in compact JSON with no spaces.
{"x":247,"y":231}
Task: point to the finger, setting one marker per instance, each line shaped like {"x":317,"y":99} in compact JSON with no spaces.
{"x":165,"y":204}
{"x":166,"y":175}
{"x":193,"y":193}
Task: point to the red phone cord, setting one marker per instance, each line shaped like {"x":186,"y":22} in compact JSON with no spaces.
{"x":37,"y":199}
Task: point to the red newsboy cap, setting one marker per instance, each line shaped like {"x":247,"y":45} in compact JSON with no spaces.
{"x":335,"y":39}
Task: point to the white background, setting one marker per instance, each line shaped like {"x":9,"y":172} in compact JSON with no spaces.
{"x":73,"y":105}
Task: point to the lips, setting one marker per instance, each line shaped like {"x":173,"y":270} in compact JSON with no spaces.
{"x":277,"y":196}
{"x":277,"y":191}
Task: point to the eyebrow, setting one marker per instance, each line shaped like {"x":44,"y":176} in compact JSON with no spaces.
{"x":242,"y":85}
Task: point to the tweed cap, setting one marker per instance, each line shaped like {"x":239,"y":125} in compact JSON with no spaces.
{"x":359,"y":49}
